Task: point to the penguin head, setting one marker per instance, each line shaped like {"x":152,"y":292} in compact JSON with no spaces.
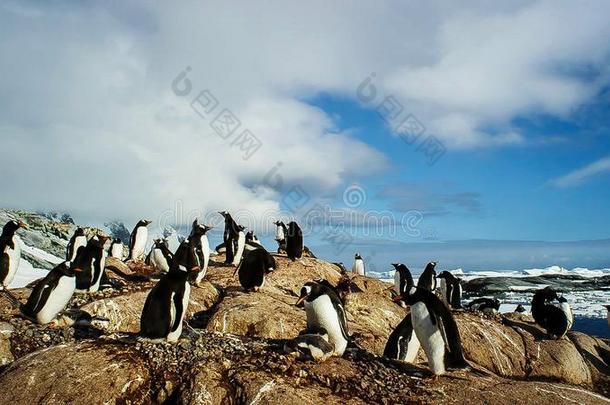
{"x":185,"y":259}
{"x":117,"y":241}
{"x":143,"y":222}
{"x":12,"y":226}
{"x":431,"y":266}
{"x":562,"y":299}
{"x":547,"y":293}
{"x":310,"y":291}
{"x":68,"y":268}
{"x":607,"y":307}
{"x":79,"y":232}
{"x":357,"y":256}
{"x":408,"y":297}
{"x":520,"y":309}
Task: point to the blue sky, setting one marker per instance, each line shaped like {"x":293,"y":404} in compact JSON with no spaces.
{"x":131,"y":110}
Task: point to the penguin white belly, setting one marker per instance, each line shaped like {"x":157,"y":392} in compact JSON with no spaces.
{"x":443,"y":288}
{"x":241,"y":241}
{"x":159,"y":262}
{"x":78,"y":242}
{"x":565,"y":308}
{"x":117,"y":251}
{"x":140,"y":243}
{"x":14,"y":255}
{"x":175,"y":335}
{"x":397,"y":282}
{"x":57,"y":300}
{"x":205,"y":249}
{"x":412,"y":348}
{"x":279,"y":233}
{"x":358,"y":267}
{"x":429,"y":337}
{"x":321,"y":314}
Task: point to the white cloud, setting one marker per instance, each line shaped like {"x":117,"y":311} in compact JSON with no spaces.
{"x":91,"y":124}
{"x":583,"y":174}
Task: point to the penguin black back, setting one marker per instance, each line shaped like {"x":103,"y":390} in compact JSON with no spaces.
{"x":397,"y":345}
{"x":427,"y":280}
{"x":43,"y":288}
{"x":453,"y":289}
{"x":230,"y":235}
{"x":294,"y":241}
{"x":89,"y":260}
{"x":253,"y":268}
{"x":406,"y":279}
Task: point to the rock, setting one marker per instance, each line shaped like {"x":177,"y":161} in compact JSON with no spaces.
{"x":6,"y":330}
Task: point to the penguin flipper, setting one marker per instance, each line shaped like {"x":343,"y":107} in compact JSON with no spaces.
{"x":4,"y":267}
{"x":179,"y":309}
{"x":37,"y":298}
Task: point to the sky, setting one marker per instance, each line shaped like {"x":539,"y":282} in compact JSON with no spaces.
{"x":366,"y":122}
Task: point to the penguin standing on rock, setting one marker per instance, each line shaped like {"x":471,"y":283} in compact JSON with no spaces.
{"x":435,"y":329}
{"x":565,"y":307}
{"x":137,"y":242}
{"x":402,"y":343}
{"x":230,"y":236}
{"x":91,"y":259}
{"x":116,"y":249}
{"x":451,"y":289}
{"x":199,"y":231}
{"x":358,"y":267}
{"x":160,"y":257}
{"x":294,"y":241}
{"x":10,"y":252}
{"x":488,"y":306}
{"x":325,"y":311}
{"x":77,"y":240}
{"x":168,"y":300}
{"x":551,"y":317}
{"x":253,"y":269}
{"x":252,"y":242}
{"x":51,"y":294}
{"x":427,"y":280}
{"x":240,"y":246}
{"x":402,"y":278}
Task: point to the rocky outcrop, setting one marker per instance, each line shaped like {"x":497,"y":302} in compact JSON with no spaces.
{"x":233,"y":351}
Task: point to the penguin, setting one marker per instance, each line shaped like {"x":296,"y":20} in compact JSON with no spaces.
{"x":435,"y":329}
{"x":565,"y":307}
{"x":451,"y":289}
{"x":241,"y":244}
{"x":10,"y":252}
{"x":253,"y":269}
{"x":427,"y":279}
{"x":488,"y":306}
{"x":203,"y":249}
{"x":51,"y":294}
{"x":229,"y":236}
{"x":77,"y":240}
{"x":280,"y":232}
{"x":402,"y":343}
{"x":608,"y":314}
{"x":310,"y":344}
{"x":402,"y":278}
{"x":358,"y":267}
{"x":137,"y":242}
{"x":294,"y":241}
{"x":168,"y":300}
{"x":160,"y":256}
{"x":325,"y":310}
{"x":550,"y":317}
{"x":116,"y":249}
{"x":91,"y":259}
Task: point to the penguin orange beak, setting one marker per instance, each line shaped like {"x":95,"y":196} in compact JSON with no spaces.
{"x":397,"y":298}
{"x":78,"y":270}
{"x":300,"y":302}
{"x":23,"y":225}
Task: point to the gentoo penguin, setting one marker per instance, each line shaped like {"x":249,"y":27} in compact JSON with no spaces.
{"x":51,"y":294}
{"x":168,"y":300}
{"x":565,"y":307}
{"x":451,"y":289}
{"x":488,"y":306}
{"x":253,"y":269}
{"x":137,"y":242}
{"x":435,"y":328}
{"x":402,"y":343}
{"x":310,"y":344}
{"x":402,"y":278}
{"x":241,"y":244}
{"x":427,"y":279}
{"x":280,"y":232}
{"x":358,"y":267}
{"x":116,"y":249}
{"x":325,"y":311}
{"x":520,"y":309}
{"x":294,"y":241}
{"x":160,"y":256}
{"x":203,"y":249}
{"x":10,"y":252}
{"x":552,"y":318}
{"x":77,"y":240}
{"x":229,"y":236}
{"x":91,"y":259}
